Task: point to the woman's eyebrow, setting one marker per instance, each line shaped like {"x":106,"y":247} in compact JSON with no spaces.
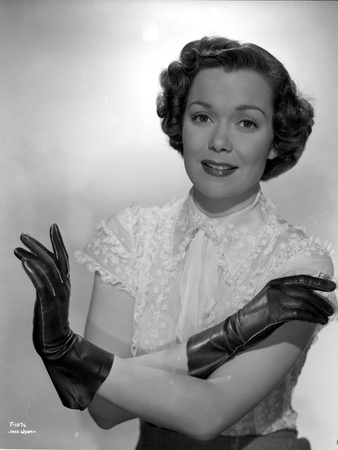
{"x":238,"y":108}
{"x":246,"y":107}
{"x":201,"y":103}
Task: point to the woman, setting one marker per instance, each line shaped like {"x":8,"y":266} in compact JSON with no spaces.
{"x":214,"y":296}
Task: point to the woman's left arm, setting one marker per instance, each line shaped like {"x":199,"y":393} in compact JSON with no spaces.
{"x":200,"y":409}
{"x":292,"y":298}
{"x":204,"y":408}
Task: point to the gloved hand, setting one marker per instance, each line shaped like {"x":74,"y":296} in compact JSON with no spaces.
{"x":281,"y":300}
{"x":76,"y":367}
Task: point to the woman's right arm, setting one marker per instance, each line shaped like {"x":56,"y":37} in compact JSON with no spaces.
{"x":199,"y":408}
{"x":110,"y":326}
{"x":142,"y":391}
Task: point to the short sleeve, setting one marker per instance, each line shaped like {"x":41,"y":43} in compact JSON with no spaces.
{"x":312,"y":259}
{"x":112,"y":252}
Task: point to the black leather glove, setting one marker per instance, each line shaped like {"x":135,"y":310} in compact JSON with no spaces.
{"x":281,"y":300}
{"x":76,"y":367}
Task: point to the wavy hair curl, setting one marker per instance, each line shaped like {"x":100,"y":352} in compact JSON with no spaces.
{"x":293,"y":114}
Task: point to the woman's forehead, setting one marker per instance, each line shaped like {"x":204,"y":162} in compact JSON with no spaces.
{"x":217,"y":86}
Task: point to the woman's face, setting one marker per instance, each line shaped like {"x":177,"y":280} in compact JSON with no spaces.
{"x":227,"y":138}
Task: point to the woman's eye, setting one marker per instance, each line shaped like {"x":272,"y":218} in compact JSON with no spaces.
{"x":201,"y":118}
{"x":249,"y":124}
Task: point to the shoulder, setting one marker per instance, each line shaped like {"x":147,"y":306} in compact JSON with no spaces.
{"x":136,"y":221}
{"x":284,"y":241}
{"x":289,"y":249}
{"x":136,"y":216}
{"x":294,"y":245}
{"x":129,"y":217}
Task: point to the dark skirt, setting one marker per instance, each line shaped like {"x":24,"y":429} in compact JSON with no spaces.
{"x":156,"y":438}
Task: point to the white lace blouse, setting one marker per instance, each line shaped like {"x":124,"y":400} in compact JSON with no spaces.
{"x":187,"y":272}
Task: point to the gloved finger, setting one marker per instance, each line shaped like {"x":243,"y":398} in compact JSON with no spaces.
{"x":305,"y":316}
{"x":59,"y":249}
{"x":322,"y":303}
{"x":306,"y":281}
{"x":38,"y":276}
{"x":305,"y":299}
{"x":35,"y":246}
{"x":21,"y":253}
{"x":43,"y":254}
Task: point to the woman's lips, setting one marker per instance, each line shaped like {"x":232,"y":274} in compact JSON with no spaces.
{"x":217,"y":169}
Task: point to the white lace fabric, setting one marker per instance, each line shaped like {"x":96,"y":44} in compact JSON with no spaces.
{"x":187,"y":272}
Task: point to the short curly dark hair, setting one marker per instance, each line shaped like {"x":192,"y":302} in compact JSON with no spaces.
{"x":293,"y":115}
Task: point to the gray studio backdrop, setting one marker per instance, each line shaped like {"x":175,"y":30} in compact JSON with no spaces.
{"x":80,"y":138}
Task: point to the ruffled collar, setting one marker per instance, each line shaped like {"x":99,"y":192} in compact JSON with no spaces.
{"x":242,"y":228}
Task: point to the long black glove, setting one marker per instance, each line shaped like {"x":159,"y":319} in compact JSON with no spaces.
{"x":76,"y":367}
{"x":281,"y":300}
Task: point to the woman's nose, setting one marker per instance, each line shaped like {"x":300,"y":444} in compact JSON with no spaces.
{"x":220,"y":140}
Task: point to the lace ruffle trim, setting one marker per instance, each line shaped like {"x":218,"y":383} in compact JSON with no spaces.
{"x":112,"y":240}
{"x":106,"y":275}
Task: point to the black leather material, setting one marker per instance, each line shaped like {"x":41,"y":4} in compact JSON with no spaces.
{"x":76,"y":367}
{"x":282,"y":300}
{"x":79,"y":372}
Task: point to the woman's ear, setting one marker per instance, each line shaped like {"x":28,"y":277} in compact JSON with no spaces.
{"x":272,"y":153}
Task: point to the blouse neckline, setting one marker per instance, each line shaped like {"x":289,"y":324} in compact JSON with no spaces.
{"x":242,"y":228}
{"x":195,"y":212}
